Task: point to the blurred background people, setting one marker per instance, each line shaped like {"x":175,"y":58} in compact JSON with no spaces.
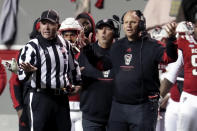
{"x":87,"y":22}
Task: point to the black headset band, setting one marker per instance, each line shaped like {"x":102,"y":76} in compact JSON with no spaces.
{"x":116,"y":29}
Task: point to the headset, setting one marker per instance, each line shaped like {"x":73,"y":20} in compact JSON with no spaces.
{"x":142,"y":22}
{"x":117,"y":26}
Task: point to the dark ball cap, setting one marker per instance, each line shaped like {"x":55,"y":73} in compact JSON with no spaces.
{"x":106,"y":22}
{"x":50,"y":15}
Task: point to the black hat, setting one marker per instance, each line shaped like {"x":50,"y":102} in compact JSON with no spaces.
{"x":50,"y":15}
{"x":107,"y":22}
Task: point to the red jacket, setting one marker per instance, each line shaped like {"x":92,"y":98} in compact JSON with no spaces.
{"x":16,"y":91}
{"x":3,"y":77}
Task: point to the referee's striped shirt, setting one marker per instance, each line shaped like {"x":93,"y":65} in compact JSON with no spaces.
{"x":51,"y":59}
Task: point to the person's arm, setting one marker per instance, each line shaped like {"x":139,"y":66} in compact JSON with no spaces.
{"x":77,"y":74}
{"x":27,"y":63}
{"x":77,"y":81}
{"x":16,"y":93}
{"x":100,"y":61}
{"x":165,"y":87}
{"x":170,"y":53}
{"x":3,"y":78}
{"x":171,"y":74}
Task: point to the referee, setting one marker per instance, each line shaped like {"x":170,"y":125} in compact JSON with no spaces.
{"x":44,"y":63}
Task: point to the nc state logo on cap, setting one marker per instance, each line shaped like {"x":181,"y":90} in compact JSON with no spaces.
{"x":105,"y":20}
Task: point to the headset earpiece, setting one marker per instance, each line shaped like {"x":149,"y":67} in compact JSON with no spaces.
{"x":142,"y":22}
{"x":116,"y":29}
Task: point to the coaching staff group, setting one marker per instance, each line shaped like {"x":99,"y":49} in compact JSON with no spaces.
{"x":135,"y":60}
{"x":45,"y":65}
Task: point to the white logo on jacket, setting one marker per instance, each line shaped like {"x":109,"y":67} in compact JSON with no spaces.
{"x":127,"y":58}
{"x":106,"y":73}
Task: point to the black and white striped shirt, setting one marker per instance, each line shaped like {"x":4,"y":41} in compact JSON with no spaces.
{"x":51,"y":59}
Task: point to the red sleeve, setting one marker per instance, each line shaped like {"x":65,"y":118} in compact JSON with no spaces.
{"x":181,"y":43}
{"x":14,"y":83}
{"x":3,"y":78}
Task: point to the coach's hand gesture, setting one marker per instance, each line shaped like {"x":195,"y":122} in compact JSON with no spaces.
{"x":171,"y":29}
{"x":27,"y":67}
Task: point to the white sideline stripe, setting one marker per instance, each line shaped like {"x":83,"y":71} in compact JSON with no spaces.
{"x":31,"y":113}
{"x":13,"y":47}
